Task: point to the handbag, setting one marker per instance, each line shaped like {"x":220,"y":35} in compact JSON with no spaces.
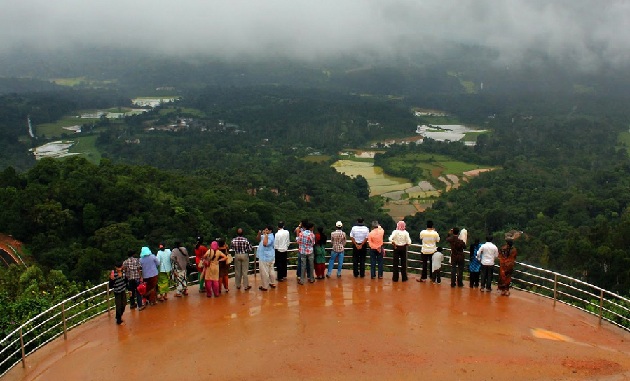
{"x":142,"y":288}
{"x":229,"y":259}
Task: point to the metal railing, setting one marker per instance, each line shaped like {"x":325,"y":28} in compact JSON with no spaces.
{"x":59,"y":319}
{"x":52,"y":323}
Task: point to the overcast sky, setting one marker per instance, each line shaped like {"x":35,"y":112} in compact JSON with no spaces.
{"x":585,"y":32}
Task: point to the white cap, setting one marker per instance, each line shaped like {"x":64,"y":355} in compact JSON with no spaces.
{"x":339,"y":224}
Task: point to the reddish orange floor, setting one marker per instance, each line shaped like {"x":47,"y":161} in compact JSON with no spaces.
{"x":341,"y":329}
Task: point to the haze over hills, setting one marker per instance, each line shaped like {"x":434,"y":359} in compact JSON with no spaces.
{"x":401,"y":47}
{"x":581,"y":33}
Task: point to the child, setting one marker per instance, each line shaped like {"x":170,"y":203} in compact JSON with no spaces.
{"x":436,"y":265}
{"x":118,"y":284}
{"x":320,"y":253}
{"x":474,"y":266}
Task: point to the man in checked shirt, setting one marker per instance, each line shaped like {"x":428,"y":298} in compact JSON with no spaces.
{"x":133,"y":272}
{"x":242,"y":248}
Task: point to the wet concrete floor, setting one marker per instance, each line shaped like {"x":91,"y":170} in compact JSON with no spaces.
{"x":340,"y":329}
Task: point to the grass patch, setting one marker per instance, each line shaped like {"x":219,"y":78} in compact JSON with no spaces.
{"x":457,"y":167}
{"x":56,"y":129}
{"x":472,"y":136}
{"x":86,"y":146}
{"x":425,"y":166}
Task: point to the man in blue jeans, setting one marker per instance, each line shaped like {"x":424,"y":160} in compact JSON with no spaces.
{"x":338,"y":242}
{"x":375,"y":241}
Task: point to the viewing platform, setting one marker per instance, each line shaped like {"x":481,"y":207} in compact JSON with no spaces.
{"x":340,"y":329}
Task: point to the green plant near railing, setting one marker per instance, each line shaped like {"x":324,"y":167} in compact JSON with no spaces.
{"x":612,"y":312}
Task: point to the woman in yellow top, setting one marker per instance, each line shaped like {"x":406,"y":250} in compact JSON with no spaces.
{"x":211,"y":269}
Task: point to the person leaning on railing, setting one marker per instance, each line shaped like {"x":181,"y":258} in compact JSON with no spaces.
{"x":507,"y":260}
{"x":429,"y":238}
{"x":179,"y":259}
{"x":375,"y":241}
{"x":338,"y":243}
{"x":358,"y":235}
{"x":400,"y":240}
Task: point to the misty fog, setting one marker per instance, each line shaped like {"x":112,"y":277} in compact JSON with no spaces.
{"x":584,"y":33}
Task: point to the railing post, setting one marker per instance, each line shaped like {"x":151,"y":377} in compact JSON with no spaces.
{"x":63,"y":318}
{"x":109,"y":313}
{"x":22,"y":347}
{"x":555,"y":288}
{"x":601,"y":305}
{"x":255,"y":261}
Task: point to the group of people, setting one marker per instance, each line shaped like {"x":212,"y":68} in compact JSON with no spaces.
{"x":481,"y":261}
{"x":153,"y":273}
{"x":157,"y":272}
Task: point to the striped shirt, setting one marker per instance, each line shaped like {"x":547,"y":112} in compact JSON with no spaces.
{"x":118,"y":284}
{"x":429,"y":238}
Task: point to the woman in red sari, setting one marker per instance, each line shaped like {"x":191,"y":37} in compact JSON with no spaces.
{"x":507,"y":260}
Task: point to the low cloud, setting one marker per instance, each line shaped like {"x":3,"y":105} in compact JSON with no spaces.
{"x":584,"y":33}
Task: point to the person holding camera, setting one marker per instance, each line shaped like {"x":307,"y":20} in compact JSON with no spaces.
{"x":266,"y":255}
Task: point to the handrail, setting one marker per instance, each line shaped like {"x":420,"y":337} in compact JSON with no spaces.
{"x":57,"y":320}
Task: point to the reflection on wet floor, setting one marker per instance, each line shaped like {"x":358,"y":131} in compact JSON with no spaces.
{"x":378,"y":329}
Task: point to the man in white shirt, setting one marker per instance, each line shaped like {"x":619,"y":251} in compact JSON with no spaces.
{"x":358,"y":235}
{"x":281,"y":245}
{"x":429,"y":238}
{"x":486,"y":254}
